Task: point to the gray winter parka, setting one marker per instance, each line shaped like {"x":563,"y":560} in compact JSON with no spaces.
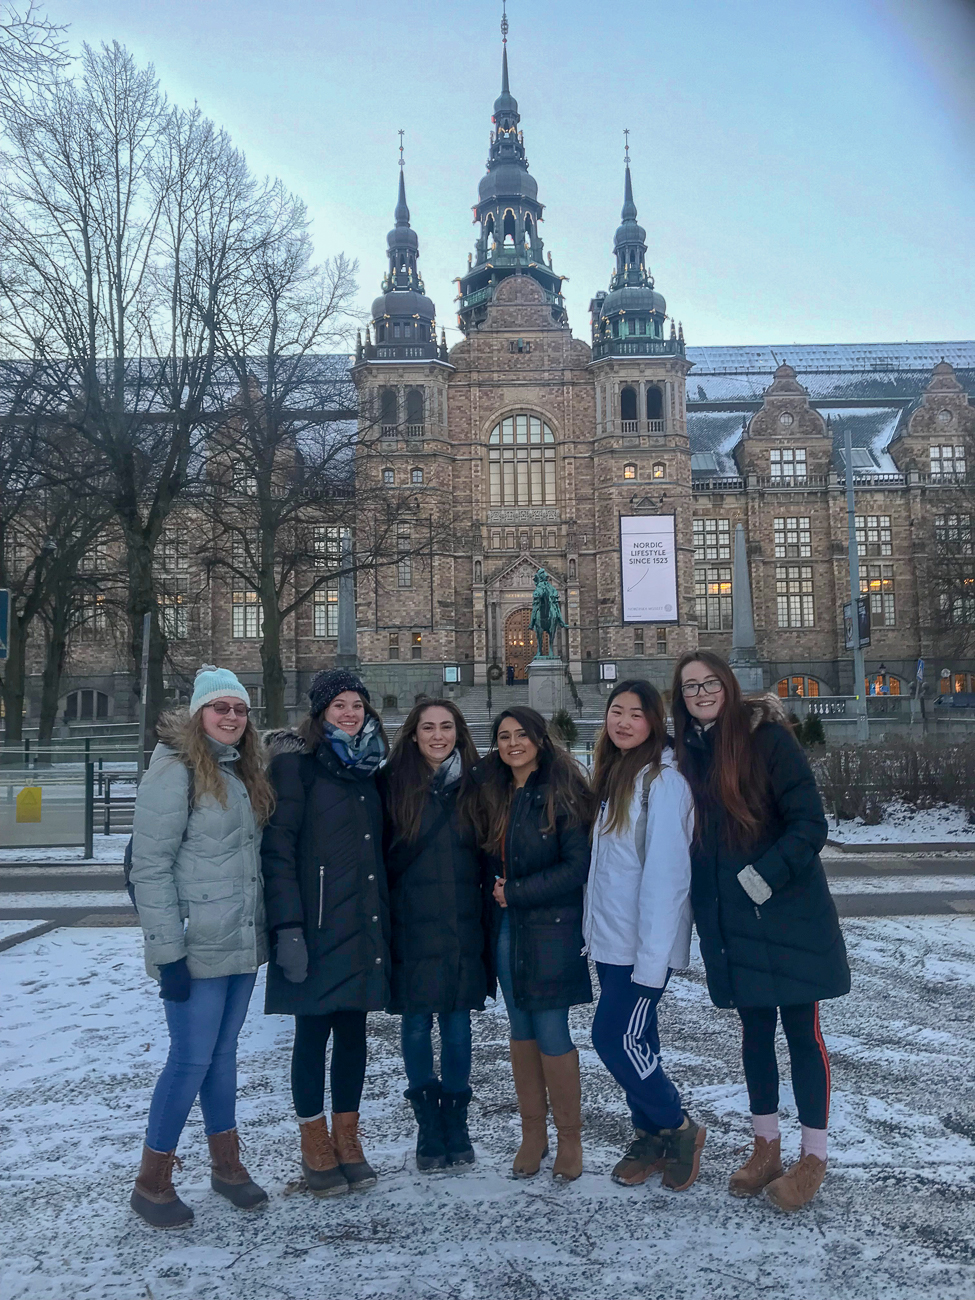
{"x":197,"y":872}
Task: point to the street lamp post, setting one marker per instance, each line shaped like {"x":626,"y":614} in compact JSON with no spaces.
{"x":859,"y":676}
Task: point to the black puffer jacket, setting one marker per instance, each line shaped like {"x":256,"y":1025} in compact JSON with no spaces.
{"x":437,"y":911}
{"x":323,"y":870}
{"x":545,"y":873}
{"x":790,"y":948}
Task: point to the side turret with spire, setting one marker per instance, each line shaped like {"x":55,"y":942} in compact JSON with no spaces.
{"x":508,"y":214}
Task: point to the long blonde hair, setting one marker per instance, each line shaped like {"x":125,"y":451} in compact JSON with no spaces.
{"x":187,"y":735}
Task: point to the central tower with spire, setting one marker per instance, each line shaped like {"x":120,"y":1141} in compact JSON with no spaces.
{"x":508,"y":214}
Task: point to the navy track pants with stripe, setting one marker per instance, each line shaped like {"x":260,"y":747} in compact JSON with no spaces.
{"x":625,"y":1036}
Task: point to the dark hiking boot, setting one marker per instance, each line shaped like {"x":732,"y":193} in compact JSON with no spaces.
{"x":319,"y":1163}
{"x":431,"y":1149}
{"x":762,"y":1167}
{"x":228,"y":1176}
{"x":154,"y":1197}
{"x":644,"y":1157}
{"x":682,"y":1151}
{"x":798,"y":1185}
{"x":457,"y":1140}
{"x":359,"y":1174}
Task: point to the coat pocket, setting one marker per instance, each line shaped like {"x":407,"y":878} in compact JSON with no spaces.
{"x":214,"y":911}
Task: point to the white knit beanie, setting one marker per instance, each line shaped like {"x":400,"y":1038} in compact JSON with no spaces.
{"x":214,"y":683}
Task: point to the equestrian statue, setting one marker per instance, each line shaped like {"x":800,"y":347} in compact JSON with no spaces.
{"x":546,"y":614}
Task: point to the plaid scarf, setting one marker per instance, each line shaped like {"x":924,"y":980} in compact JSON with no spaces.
{"x":448,"y":773}
{"x":363,"y":752}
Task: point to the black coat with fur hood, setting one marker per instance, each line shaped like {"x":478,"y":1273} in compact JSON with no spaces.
{"x":788,"y":949}
{"x":323,"y":871}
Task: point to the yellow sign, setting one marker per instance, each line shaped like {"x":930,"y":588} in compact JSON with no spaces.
{"x":29,"y":804}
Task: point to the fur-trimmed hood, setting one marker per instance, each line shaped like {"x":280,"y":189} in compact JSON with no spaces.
{"x":766,"y":708}
{"x":283,"y":740}
{"x":173,"y":730}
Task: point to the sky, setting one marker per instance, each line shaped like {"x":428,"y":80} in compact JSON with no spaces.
{"x":805,"y":169}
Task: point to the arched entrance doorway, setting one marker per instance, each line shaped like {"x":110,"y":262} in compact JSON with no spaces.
{"x":519,"y":645}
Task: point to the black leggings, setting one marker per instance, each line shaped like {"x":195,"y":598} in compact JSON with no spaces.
{"x":807,"y":1054}
{"x":348,"y":1068}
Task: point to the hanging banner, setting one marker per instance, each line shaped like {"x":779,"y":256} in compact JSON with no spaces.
{"x":648,"y":558}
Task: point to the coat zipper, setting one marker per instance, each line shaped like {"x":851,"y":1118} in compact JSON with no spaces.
{"x":321,"y":891}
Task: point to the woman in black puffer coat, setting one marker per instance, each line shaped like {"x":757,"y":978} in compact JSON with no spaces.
{"x":770,"y":937}
{"x":437,"y":912}
{"x":327,"y":910}
{"x":532,"y":810}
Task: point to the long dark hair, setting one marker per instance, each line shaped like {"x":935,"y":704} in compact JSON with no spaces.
{"x":614,"y":769}
{"x":737,"y":782}
{"x":407,"y":775}
{"x":312,"y":728}
{"x":488,"y":803}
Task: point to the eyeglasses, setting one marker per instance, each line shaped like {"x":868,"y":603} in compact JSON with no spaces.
{"x":710,"y":686}
{"x":223,"y":708}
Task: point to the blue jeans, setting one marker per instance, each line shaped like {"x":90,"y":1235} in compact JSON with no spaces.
{"x":455,"y":1049}
{"x":202,"y":1059}
{"x":625,"y":1036}
{"x":550,"y":1029}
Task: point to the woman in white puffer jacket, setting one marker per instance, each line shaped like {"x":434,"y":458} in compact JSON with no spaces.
{"x":637,"y":925}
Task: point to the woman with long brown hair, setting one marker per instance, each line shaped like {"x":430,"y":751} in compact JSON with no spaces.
{"x":325,"y":888}
{"x":196,"y":873}
{"x":770,"y":937}
{"x":436,"y":907}
{"x":637,"y":925}
{"x":532,"y":809}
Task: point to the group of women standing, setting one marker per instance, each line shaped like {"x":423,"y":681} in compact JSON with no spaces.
{"x":421,"y":879}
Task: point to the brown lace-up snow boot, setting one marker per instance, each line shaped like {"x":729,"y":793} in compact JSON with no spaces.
{"x":526,"y":1068}
{"x":798,"y":1185}
{"x":359,"y":1174}
{"x":644,"y":1156}
{"x":228,"y":1176}
{"x":154,"y":1196}
{"x":319,"y":1163}
{"x":762,"y":1167}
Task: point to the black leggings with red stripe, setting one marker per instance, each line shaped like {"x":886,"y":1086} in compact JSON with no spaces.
{"x":807,"y":1053}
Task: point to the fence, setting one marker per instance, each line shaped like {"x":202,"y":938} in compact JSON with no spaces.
{"x":63,"y":800}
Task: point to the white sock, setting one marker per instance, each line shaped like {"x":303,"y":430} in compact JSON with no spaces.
{"x":814,"y":1142}
{"x":766,"y":1126}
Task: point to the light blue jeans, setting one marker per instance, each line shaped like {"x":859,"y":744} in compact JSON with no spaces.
{"x":550,"y":1029}
{"x":202,"y":1059}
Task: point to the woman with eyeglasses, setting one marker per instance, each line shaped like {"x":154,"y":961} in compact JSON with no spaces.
{"x":196,"y":873}
{"x":770,"y":937}
{"x":328,"y":914}
{"x":531,"y":809}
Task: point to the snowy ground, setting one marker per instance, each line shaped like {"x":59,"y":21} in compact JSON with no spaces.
{"x":905,"y":825}
{"x":82,"y":1041}
{"x":107,"y":848}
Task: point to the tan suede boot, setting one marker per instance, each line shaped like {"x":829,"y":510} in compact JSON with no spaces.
{"x":798,"y":1185}
{"x":762,"y":1167}
{"x":565,"y":1093}
{"x":319,"y":1163}
{"x":359,"y":1174}
{"x":228,"y":1176}
{"x":526,"y":1067}
{"x":154,"y":1196}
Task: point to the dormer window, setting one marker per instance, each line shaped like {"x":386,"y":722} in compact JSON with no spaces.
{"x":944,"y":417}
{"x":787,"y":465}
{"x":786,"y":419}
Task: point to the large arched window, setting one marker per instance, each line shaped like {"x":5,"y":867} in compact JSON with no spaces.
{"x":628,"y":403}
{"x":414,"y":413}
{"x":387,"y":406}
{"x":522,"y":462}
{"x":655,"y":403}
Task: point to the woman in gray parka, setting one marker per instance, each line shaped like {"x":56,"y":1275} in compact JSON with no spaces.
{"x":196,"y":869}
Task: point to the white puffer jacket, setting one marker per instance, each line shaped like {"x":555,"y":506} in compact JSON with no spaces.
{"x":638,"y":908}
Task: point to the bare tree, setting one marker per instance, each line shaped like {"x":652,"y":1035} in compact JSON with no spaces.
{"x":31,"y":52}
{"x":952,"y":544}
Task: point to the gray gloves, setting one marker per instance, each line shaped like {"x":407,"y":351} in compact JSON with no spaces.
{"x":292,"y":954}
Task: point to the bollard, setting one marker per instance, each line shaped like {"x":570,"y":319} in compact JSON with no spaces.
{"x":89,"y":809}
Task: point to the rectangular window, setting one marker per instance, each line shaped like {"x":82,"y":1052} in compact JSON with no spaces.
{"x":794,"y":595}
{"x":873,"y":535}
{"x":326,"y":610}
{"x":792,"y":539}
{"x":553,"y":539}
{"x":245,"y":550}
{"x":404,"y":562}
{"x":712,"y":539}
{"x":638,"y":644}
{"x":947,"y":462}
{"x":537,"y":539}
{"x":16,"y":553}
{"x":248,"y":616}
{"x":93,"y":618}
{"x":173,"y":598}
{"x":509,"y":541}
{"x":244,"y":481}
{"x":550,"y":475}
{"x":416,"y":645}
{"x":172,"y":551}
{"x":389,"y":477}
{"x":393,"y":645}
{"x":661,"y":640}
{"x":788,"y":465}
{"x":712,"y":592}
{"x":877,"y":582}
{"x":953,"y":534}
{"x":496,"y":541}
{"x":958,"y":606}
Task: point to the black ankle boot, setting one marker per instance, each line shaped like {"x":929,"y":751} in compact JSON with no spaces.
{"x":431,"y":1152}
{"x":453,"y":1108}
